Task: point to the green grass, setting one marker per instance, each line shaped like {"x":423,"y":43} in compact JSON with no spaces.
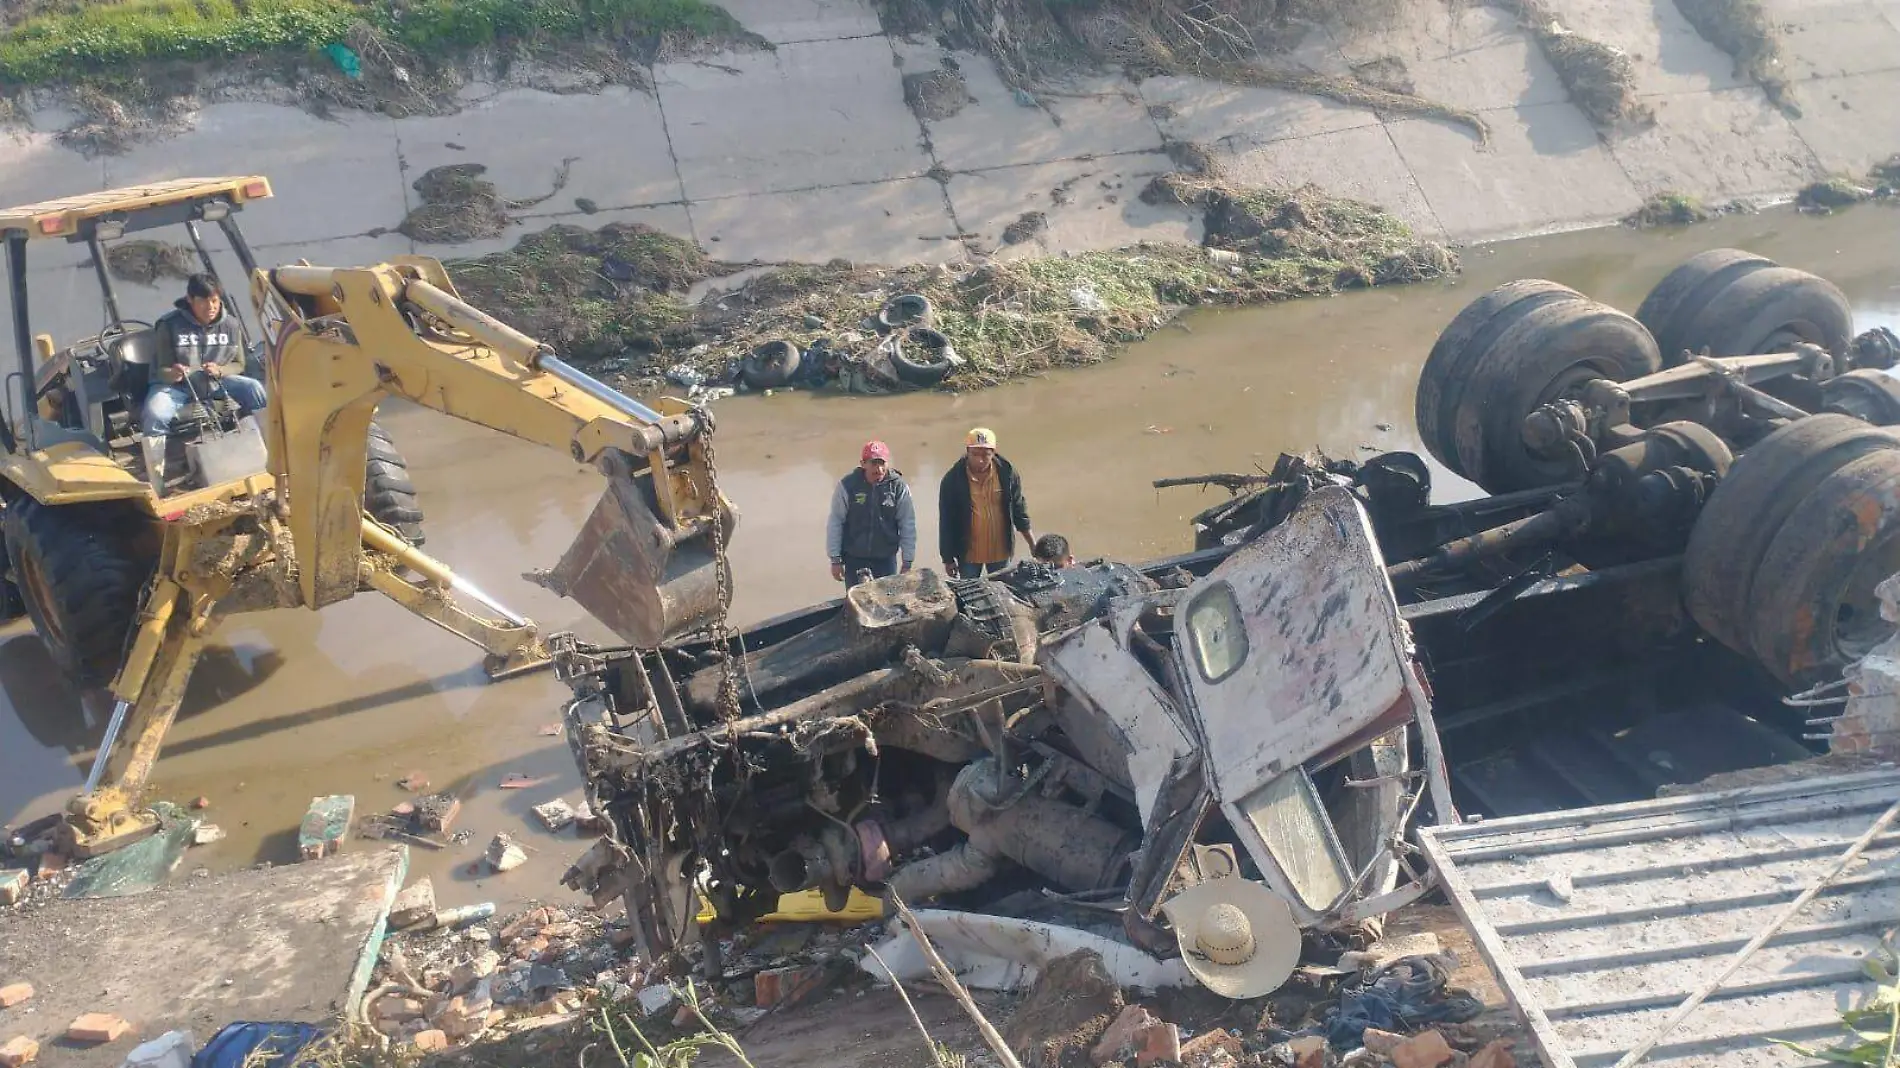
{"x":105,"y":39}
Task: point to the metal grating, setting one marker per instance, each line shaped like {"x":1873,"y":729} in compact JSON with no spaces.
{"x":1660,"y":895}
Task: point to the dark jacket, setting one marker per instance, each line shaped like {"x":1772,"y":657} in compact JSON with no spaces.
{"x":182,"y":340}
{"x":872,"y":522}
{"x":953,"y":508}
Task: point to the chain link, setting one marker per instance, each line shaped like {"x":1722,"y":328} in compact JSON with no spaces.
{"x":721,"y":630}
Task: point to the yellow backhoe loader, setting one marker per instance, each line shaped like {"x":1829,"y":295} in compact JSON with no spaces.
{"x":126,"y":567}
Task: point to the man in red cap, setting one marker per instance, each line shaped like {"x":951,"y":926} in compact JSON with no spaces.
{"x":873,"y":520}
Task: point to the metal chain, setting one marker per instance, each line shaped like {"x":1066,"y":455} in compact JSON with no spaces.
{"x":721,"y":631}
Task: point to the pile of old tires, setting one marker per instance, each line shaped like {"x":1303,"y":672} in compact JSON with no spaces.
{"x":1783,"y":559}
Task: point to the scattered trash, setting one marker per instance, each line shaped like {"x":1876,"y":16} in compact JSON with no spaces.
{"x":460,"y":917}
{"x":252,"y":1044}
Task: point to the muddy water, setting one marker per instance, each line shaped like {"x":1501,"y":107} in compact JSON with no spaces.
{"x":294,"y":704}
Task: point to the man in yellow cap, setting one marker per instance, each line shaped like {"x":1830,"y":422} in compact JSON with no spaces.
{"x":979,"y":506}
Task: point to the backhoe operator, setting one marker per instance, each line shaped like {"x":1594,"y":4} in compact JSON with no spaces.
{"x":196,"y":339}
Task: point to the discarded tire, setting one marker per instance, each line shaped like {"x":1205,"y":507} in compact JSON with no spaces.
{"x":80,"y":582}
{"x":771,"y":365}
{"x":1517,"y":347}
{"x":1688,"y":286}
{"x":925,"y":359}
{"x":908,"y":309}
{"x":389,"y":495}
{"x":1740,"y":556}
{"x":1867,"y":395}
{"x":1819,"y":613}
{"x":1734,"y":303}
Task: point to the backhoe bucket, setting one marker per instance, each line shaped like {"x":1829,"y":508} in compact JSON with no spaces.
{"x":645,"y":579}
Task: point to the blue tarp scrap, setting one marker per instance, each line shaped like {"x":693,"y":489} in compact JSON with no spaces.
{"x":273,"y":1045}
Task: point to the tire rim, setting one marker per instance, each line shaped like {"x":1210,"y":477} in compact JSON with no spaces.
{"x":1858,"y":626}
{"x":39,"y":594}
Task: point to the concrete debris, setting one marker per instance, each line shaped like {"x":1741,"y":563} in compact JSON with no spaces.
{"x":13,"y":883}
{"x":17,"y":1051}
{"x":463,"y":916}
{"x":504,"y":855}
{"x":14,"y":993}
{"x":475,"y":969}
{"x":1213,"y":1049}
{"x":657,"y":998}
{"x":207,"y":834}
{"x":436,"y":813}
{"x":325,"y":826}
{"x":96,"y":1028}
{"x":556,"y":814}
{"x":414,"y":905}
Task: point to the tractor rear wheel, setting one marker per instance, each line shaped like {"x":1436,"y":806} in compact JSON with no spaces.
{"x":80,"y":582}
{"x":388,"y":493}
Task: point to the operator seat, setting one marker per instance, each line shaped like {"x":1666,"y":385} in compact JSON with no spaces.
{"x":132,"y":354}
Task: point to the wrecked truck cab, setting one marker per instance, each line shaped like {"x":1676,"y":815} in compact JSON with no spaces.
{"x":969,"y":740}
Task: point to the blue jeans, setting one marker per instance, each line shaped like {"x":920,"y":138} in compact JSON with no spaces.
{"x":970,"y":571}
{"x":163,"y":400}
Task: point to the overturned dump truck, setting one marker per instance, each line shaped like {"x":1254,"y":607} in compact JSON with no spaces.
{"x":1688,"y":512}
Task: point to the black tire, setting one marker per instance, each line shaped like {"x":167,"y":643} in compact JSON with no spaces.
{"x":1820,"y":613}
{"x":1868,"y":395}
{"x":81,"y":583}
{"x":1521,"y":345}
{"x":925,"y":361}
{"x":905,"y":309}
{"x":1724,"y":563}
{"x":1754,"y":306}
{"x":1690,"y":286}
{"x":771,"y":365}
{"x":388,"y":493}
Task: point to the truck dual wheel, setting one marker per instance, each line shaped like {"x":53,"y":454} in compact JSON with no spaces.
{"x":1735,"y":303}
{"x":1520,"y":346}
{"x":80,"y":582}
{"x":1783,"y":561}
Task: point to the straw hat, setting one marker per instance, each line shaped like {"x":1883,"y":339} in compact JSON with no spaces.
{"x":1237,"y":936}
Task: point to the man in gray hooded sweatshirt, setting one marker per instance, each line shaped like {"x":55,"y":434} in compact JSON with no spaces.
{"x":197,"y":340}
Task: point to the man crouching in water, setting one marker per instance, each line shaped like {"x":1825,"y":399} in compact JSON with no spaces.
{"x":196,"y":340}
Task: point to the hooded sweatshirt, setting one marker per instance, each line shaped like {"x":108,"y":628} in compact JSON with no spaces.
{"x":183,"y":340}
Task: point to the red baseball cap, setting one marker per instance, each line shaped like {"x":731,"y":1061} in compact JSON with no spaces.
{"x":875,"y":450}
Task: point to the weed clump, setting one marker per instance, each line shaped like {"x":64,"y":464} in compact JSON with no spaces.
{"x":1600,"y":79}
{"x":1829,"y":194}
{"x":593,"y":294}
{"x":458,"y":204}
{"x":1741,"y":28}
{"x":1668,"y":209}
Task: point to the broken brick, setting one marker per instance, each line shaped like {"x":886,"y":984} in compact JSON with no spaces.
{"x":415,"y":782}
{"x":12,"y":885}
{"x":556,"y":814}
{"x":788,"y":986}
{"x":201,"y":803}
{"x":1204,"y":1049}
{"x":17,"y":1051}
{"x":1123,"y":1034}
{"x":1160,"y":1044}
{"x":325,"y":826}
{"x":51,"y":864}
{"x":1496,"y":1054}
{"x":1381,"y":1042}
{"x":396,"y":1008}
{"x":96,"y":1028}
{"x":432,"y":1040}
{"x":1427,"y":1049}
{"x":14,"y":993}
{"x":414,"y":905}
{"x":437,"y":812}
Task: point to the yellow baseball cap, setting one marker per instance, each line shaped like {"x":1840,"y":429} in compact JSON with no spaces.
{"x":980,"y":438}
